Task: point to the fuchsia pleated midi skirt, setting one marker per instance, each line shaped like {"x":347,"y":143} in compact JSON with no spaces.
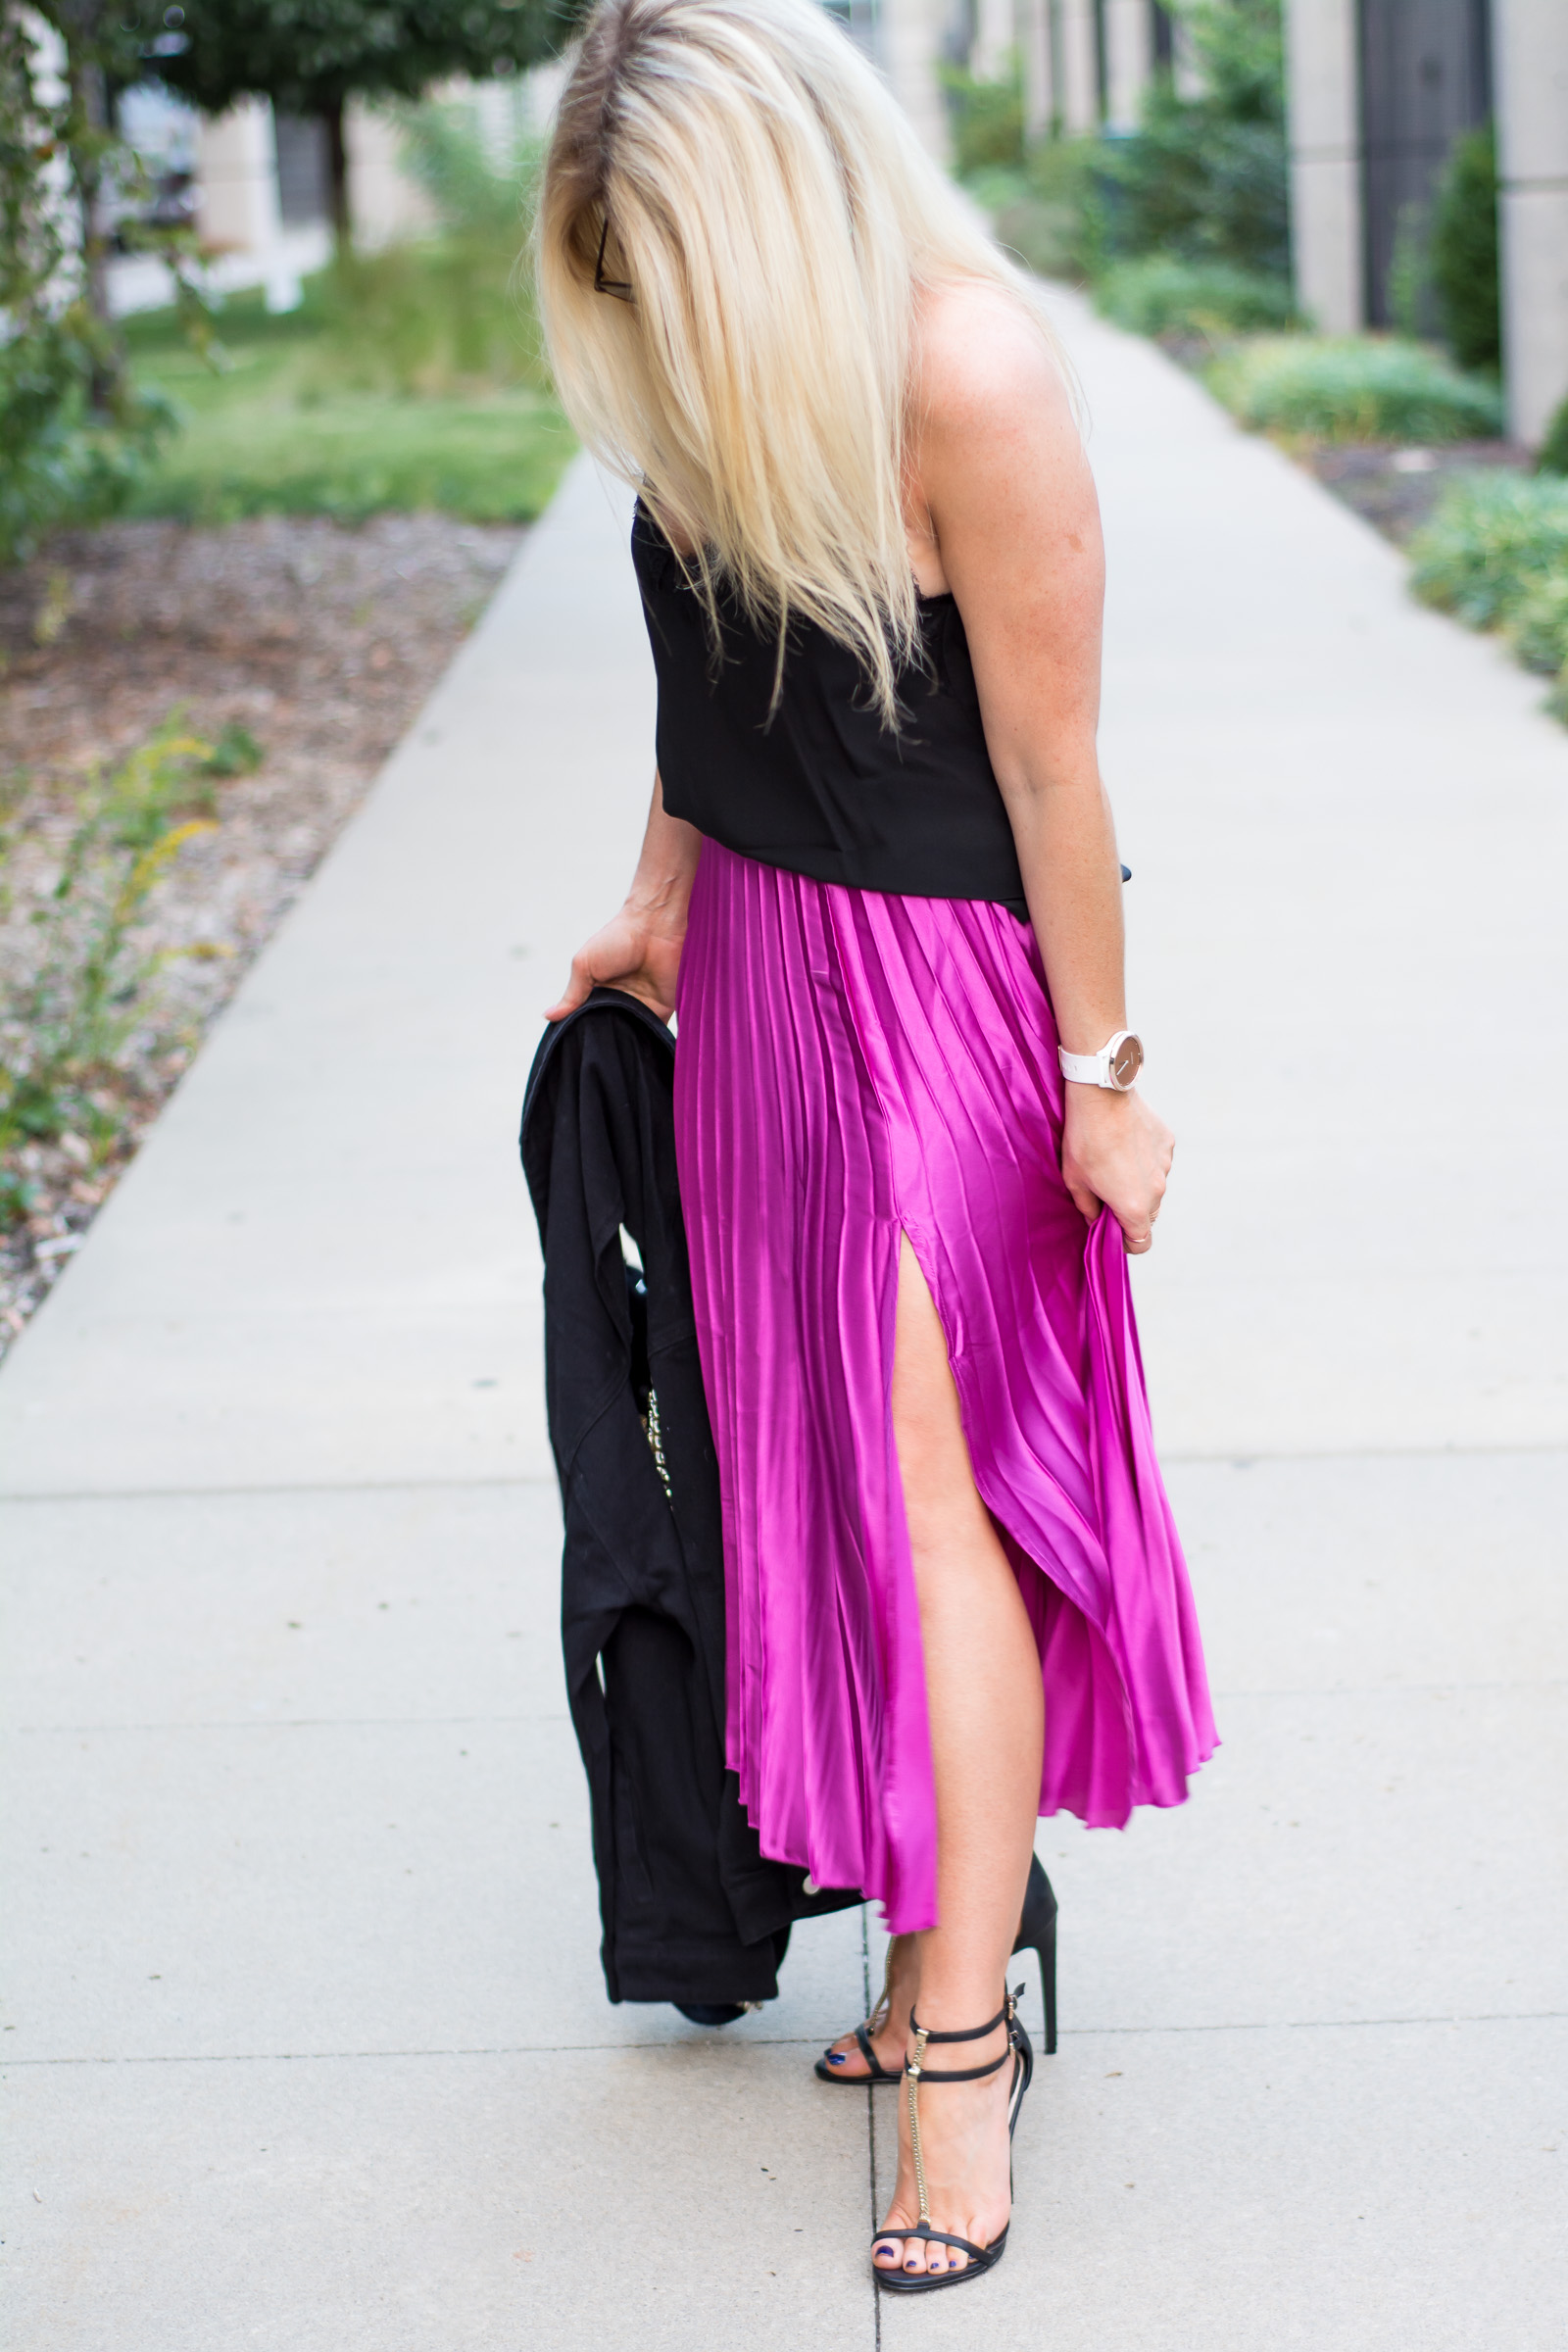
{"x":853,"y":1065}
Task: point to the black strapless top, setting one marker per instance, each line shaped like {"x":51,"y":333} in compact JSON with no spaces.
{"x":818,"y":785}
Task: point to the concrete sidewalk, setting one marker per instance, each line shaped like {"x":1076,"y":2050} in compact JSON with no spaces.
{"x":306,"y":2045}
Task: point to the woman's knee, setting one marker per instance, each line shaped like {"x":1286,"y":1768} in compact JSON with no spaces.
{"x":925,"y":1396}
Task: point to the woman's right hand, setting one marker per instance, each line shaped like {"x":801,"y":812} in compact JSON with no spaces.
{"x":638,"y":950}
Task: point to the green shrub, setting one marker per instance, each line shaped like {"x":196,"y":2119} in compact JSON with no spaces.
{"x":1042,"y":212}
{"x":1494,"y":543}
{"x":1353,"y":388}
{"x":1463,"y":251}
{"x":1552,"y":456}
{"x":1204,"y":177}
{"x":1163,"y":295}
{"x":1044,"y":236}
{"x":448,"y":312}
{"x":76,"y":435}
{"x":987,"y":120}
{"x":425,"y":318}
{"x":476,"y":187}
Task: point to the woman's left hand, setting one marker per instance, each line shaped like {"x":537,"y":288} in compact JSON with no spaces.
{"x":1117,"y":1153}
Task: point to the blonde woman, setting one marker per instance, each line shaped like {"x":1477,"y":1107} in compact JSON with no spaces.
{"x":880,"y":883}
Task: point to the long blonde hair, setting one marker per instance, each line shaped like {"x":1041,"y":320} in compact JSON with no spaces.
{"x":736,"y":171}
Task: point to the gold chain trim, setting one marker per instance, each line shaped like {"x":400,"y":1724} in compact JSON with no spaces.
{"x":912,"y":2077}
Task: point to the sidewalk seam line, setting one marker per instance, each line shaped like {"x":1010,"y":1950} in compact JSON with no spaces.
{"x":1238,"y":1457}
{"x":250,"y":1494}
{"x":299,"y":1723}
{"x":561,"y":1713}
{"x":870,"y":2126}
{"x":782,"y":2041}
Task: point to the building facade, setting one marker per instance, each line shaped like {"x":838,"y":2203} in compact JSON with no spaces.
{"x":1378,"y":91}
{"x":254,"y":182}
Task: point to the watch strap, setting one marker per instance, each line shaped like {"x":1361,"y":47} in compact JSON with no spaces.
{"x":1094,"y":1069}
{"x":1086,"y":1069}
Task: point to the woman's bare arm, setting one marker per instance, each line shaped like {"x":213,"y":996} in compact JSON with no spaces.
{"x":639,"y":948}
{"x":1015,"y":531}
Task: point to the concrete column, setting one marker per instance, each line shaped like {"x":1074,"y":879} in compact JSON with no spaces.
{"x":1080,"y":72}
{"x":384,"y":203}
{"x":911,"y":46}
{"x":1530,"y":77}
{"x":236,"y":170}
{"x":1325,"y":131}
{"x":995,"y":40}
{"x":1035,"y":47}
{"x":1129,"y":61}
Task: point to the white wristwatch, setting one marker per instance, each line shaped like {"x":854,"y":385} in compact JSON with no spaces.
{"x":1115,"y":1065}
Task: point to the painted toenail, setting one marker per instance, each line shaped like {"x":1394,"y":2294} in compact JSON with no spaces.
{"x":836,"y":2057}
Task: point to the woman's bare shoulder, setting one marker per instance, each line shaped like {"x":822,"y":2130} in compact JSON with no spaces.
{"x":985,"y":362}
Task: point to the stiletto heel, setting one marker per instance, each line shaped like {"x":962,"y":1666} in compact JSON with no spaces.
{"x":1037,"y":1933}
{"x":1021,"y":2051}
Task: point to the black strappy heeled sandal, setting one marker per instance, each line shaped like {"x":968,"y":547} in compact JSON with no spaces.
{"x":875,"y":2072}
{"x":1037,"y":1933}
{"x":981,"y":2258}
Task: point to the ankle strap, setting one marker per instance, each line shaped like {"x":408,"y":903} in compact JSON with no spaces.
{"x":1004,"y":2017}
{"x":915,"y":2068}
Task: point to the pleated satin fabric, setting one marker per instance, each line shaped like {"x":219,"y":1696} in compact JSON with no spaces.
{"x":853,"y":1065}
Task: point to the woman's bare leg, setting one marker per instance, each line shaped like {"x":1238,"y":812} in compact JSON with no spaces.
{"x":987,"y":1714}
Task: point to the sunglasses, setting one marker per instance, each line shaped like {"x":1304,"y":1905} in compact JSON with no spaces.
{"x":609,"y":285}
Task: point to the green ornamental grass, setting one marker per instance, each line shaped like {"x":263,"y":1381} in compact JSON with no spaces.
{"x":1496,"y":553}
{"x":1493,"y":540}
{"x":1353,"y":388}
{"x":1539,"y":627}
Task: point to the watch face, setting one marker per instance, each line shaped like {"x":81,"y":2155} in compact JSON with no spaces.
{"x":1126,"y":1063}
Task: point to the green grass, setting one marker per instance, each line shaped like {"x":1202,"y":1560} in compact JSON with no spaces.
{"x":1354,"y":388}
{"x":351,"y":405}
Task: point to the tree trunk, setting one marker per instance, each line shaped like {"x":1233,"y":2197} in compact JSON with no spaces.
{"x":85,"y":143}
{"x":338,"y":178}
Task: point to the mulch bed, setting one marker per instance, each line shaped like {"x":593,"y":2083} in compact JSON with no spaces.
{"x":1393,"y":489}
{"x":1396,"y":489}
{"x":322,"y":641}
